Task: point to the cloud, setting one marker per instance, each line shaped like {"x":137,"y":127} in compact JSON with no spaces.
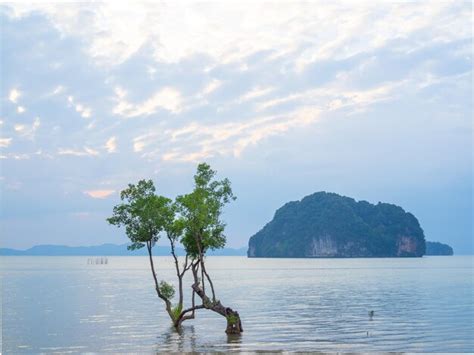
{"x":27,"y":131}
{"x":84,"y":111}
{"x":20,"y":109}
{"x":234,"y":137}
{"x":197,"y":141}
{"x":167,"y":98}
{"x":58,"y":90}
{"x":138,"y":145}
{"x":187,"y":157}
{"x":15,"y":156}
{"x":336,"y":96}
{"x":213,"y":85}
{"x":256,"y":92}
{"x":198,"y":129}
{"x":78,"y":153}
{"x":5,"y":142}
{"x":300,"y":31}
{"x":99,"y":193}
{"x":111,"y":145}
{"x":91,"y":125}
{"x":14,"y":95}
{"x":19,"y":127}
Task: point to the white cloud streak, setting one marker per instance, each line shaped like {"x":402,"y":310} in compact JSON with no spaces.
{"x":100,"y":194}
{"x":212,"y":86}
{"x":167,"y":98}
{"x":255,"y":93}
{"x":86,"y":151}
{"x":335,"y":97}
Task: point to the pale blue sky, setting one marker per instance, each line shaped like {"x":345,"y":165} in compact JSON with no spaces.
{"x":369,"y":101}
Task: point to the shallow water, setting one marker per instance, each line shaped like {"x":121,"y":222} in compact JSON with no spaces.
{"x":62,"y":304}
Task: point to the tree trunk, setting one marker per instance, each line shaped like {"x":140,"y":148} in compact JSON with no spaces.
{"x":234,"y":324}
{"x":157,"y":287}
{"x":178,"y":273}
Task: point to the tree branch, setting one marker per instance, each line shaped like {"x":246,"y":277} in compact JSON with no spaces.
{"x":210,"y":282}
{"x":186,"y":266}
{"x":157,"y":286}
{"x":178,"y":273}
{"x":182,"y":317}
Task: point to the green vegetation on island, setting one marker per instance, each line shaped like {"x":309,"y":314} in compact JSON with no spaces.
{"x":329,"y":225}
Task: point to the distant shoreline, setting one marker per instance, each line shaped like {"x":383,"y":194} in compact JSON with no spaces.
{"x":121,"y":250}
{"x":108,"y":250}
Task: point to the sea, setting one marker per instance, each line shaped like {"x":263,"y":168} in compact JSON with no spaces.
{"x":68,"y":305}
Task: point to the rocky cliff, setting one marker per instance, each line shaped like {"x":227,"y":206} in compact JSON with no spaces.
{"x":329,"y":225}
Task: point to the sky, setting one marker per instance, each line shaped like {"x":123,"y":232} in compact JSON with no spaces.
{"x":371,"y":101}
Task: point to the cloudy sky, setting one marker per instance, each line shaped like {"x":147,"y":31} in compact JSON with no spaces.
{"x":285,"y":99}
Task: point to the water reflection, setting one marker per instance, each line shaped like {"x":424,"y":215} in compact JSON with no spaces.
{"x":234,"y":338}
{"x":234,"y":341}
{"x":185,"y":340}
{"x":177,"y":340}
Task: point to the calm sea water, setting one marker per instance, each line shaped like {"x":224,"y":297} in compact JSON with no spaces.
{"x":61,"y":304}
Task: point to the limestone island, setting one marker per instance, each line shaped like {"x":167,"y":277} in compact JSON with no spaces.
{"x":327,"y":225}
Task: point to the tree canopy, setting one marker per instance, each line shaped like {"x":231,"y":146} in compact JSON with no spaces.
{"x":201,"y":211}
{"x":144,"y":214}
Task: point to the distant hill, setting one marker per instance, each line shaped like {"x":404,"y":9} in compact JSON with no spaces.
{"x":436,"y":248}
{"x":329,"y":225}
{"x":107,"y":250}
